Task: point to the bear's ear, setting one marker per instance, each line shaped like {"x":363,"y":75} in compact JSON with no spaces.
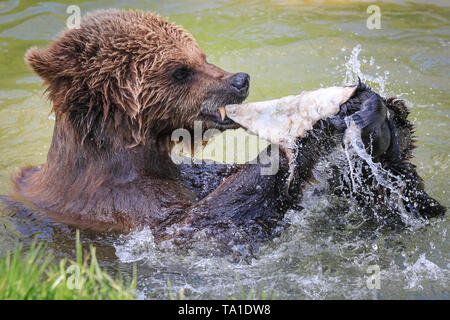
{"x":40,"y":61}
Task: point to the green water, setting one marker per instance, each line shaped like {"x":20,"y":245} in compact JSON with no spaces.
{"x":286,"y":47}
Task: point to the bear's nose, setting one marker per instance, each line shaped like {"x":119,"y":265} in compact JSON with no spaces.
{"x":240,"y":81}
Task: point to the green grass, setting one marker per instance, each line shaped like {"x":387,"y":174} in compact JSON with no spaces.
{"x":36,"y":274}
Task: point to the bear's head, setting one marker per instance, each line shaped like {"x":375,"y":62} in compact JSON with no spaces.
{"x":128,"y":78}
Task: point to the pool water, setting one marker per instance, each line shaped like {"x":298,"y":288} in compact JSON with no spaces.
{"x":286,"y":46}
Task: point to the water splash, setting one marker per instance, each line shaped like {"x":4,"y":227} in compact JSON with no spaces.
{"x":422,"y":270}
{"x":353,"y":71}
{"x":353,"y":143}
{"x":136,"y":246}
{"x":324,"y":254}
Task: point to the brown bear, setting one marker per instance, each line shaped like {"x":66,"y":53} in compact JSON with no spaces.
{"x":120,"y":84}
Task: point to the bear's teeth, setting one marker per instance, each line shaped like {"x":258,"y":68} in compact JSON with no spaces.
{"x":222,"y":112}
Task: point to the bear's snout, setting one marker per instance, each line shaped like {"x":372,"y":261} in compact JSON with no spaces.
{"x":240,"y":82}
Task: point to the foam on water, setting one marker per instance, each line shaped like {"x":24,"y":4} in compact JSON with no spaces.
{"x":135,"y":246}
{"x":423,"y":270}
{"x":323,"y":255}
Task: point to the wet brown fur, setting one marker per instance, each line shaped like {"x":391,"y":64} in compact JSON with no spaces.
{"x":116,"y":105}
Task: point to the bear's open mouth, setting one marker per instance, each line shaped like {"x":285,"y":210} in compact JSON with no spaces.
{"x":219,"y":118}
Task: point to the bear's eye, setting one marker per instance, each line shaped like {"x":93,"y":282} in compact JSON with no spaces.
{"x":181,"y":74}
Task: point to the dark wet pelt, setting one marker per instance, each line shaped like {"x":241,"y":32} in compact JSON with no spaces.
{"x":286,"y":47}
